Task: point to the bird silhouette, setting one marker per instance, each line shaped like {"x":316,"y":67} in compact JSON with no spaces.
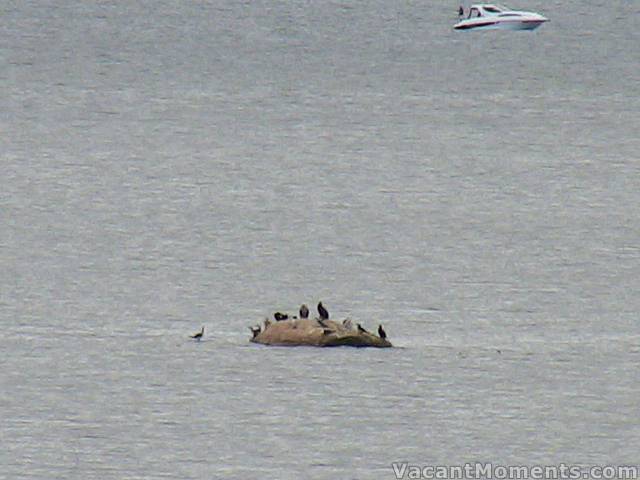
{"x":198,"y":335}
{"x":381,"y":332}
{"x":255,"y":331}
{"x":324,"y":315}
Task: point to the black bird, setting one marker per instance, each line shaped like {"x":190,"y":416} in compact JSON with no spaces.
{"x":304,"y":311}
{"x":361,"y":329}
{"x":381,"y":332}
{"x":255,"y":331}
{"x":324,"y":315}
{"x":280,"y":316}
{"x":198,"y":335}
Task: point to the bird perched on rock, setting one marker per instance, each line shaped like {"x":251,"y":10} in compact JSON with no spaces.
{"x":381,"y":332}
{"x":198,"y":335}
{"x":255,"y":331}
{"x":347,"y":324}
{"x":361,"y":329}
{"x":280,"y":316}
{"x":304,"y":311}
{"x":324,"y":315}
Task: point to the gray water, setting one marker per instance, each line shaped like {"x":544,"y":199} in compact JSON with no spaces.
{"x":168,"y":165}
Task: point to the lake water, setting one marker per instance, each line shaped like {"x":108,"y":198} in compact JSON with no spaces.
{"x":169,"y":165}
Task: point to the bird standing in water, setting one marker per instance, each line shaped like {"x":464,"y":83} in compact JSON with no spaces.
{"x":198,"y":335}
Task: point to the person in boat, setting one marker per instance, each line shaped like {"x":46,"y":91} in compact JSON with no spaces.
{"x":460,"y":11}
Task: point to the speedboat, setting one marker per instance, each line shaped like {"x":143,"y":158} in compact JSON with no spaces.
{"x":484,"y":16}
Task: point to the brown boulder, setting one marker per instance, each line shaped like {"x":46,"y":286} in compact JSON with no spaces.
{"x":298,"y":332}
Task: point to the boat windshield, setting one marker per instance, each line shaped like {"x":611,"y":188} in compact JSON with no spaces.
{"x":494,"y":8}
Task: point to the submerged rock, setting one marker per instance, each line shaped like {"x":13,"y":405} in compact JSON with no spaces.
{"x":298,"y":332}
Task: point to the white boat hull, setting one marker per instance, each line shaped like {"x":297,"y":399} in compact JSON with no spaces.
{"x":487,"y":24}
